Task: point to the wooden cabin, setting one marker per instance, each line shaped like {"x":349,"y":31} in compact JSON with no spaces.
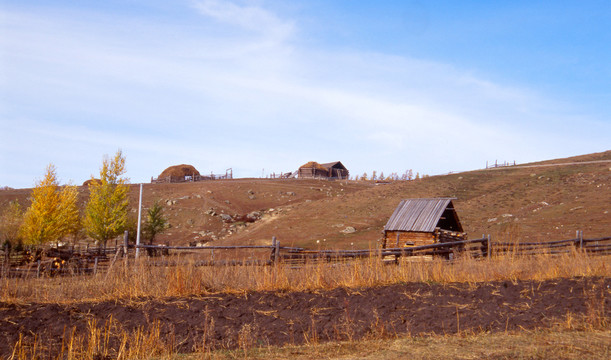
{"x":333,"y":170}
{"x":336,"y":170}
{"x":417,"y":222}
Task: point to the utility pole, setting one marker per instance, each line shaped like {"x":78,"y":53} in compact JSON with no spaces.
{"x":139,"y":221}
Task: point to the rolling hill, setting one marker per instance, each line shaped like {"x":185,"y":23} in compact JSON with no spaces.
{"x":541,"y":201}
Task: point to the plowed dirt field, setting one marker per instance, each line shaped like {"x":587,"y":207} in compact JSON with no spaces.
{"x":275,"y":318}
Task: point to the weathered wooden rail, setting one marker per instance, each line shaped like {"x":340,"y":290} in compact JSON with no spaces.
{"x":91,"y":260}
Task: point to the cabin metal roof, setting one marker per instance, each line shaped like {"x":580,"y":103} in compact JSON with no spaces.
{"x":420,"y":215}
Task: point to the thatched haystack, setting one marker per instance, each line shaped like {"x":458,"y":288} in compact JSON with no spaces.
{"x":313,"y":165}
{"x":92,"y":181}
{"x":179,"y":171}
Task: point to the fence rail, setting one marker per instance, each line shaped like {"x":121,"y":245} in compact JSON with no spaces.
{"x":191,"y":178}
{"x":90,"y":260}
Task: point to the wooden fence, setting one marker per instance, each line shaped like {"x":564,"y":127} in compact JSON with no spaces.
{"x":191,"y":178}
{"x":91,"y":260}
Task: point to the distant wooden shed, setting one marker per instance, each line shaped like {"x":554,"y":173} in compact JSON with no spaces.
{"x":336,"y":170}
{"x":333,"y":170}
{"x":418,"y":222}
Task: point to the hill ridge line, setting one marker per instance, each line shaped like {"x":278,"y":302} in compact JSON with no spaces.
{"x":547,"y":165}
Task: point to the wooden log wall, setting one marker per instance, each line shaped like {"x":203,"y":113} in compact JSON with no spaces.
{"x":411,"y":238}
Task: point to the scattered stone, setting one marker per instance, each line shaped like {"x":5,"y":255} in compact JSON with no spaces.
{"x":250,"y":192}
{"x":226,"y":217}
{"x":252,"y":197}
{"x":227,"y":202}
{"x":253,"y":216}
{"x":492,"y":219}
{"x":190,"y":222}
{"x":169,"y":203}
{"x":349,"y":230}
{"x":577,"y":208}
{"x":198,"y":196}
{"x":506,"y":215}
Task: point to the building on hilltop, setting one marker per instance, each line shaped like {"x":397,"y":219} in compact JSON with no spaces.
{"x":418,"y":222}
{"x":333,"y":170}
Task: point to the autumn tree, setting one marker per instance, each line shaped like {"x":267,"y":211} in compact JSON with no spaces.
{"x":107,"y":208}
{"x":53,"y":212}
{"x":10,"y":223}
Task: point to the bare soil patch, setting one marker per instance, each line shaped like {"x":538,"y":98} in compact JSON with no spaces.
{"x":277,"y":318}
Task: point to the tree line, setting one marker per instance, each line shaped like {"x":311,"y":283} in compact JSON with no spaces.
{"x":55,"y":216}
{"x":406,"y":176}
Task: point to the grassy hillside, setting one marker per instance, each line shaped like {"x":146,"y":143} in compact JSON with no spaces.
{"x":531,"y":202}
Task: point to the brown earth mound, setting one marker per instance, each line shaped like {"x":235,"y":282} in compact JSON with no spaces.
{"x":92,"y":181}
{"x":276,"y":318}
{"x":179,"y":171}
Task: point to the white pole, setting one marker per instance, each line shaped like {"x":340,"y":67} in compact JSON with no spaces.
{"x":139,"y":220}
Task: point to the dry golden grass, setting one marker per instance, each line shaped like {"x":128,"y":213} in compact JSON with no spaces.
{"x":520,"y":345}
{"x":143,"y":279}
{"x":574,"y":337}
{"x":564,"y":341}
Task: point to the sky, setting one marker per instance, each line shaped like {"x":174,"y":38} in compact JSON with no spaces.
{"x":264,"y":86}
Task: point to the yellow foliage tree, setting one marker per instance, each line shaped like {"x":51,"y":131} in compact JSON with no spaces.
{"x":53,"y":211}
{"x":107,"y":208}
{"x":10,"y":223}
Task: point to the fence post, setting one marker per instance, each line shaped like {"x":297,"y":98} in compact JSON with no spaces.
{"x":95,"y":266}
{"x":125,"y":244}
{"x":580,"y":237}
{"x":489,"y":251}
{"x":272,"y":256}
{"x":277,"y":252}
{"x":7,"y":260}
{"x":38,"y":269}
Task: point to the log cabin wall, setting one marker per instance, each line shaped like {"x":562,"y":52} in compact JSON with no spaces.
{"x":417,"y":238}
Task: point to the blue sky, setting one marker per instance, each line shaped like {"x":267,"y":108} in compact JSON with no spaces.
{"x":265,"y":86}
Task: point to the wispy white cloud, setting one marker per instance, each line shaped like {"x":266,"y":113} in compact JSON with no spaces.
{"x":248,"y":96}
{"x":249,"y":17}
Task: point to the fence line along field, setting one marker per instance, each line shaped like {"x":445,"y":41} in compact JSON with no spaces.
{"x":187,"y":308}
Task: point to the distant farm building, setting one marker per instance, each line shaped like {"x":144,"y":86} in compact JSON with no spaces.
{"x":184,"y":173}
{"x":418,"y":222}
{"x":333,"y":170}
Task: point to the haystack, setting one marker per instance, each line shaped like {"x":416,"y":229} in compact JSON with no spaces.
{"x":179,"y":171}
{"x":313,"y":165}
{"x":92,"y":181}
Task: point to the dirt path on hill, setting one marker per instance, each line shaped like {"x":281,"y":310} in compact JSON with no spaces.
{"x":275,"y":318}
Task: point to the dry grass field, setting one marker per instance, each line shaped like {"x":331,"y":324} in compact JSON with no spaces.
{"x":508,"y":306}
{"x":147,"y":311}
